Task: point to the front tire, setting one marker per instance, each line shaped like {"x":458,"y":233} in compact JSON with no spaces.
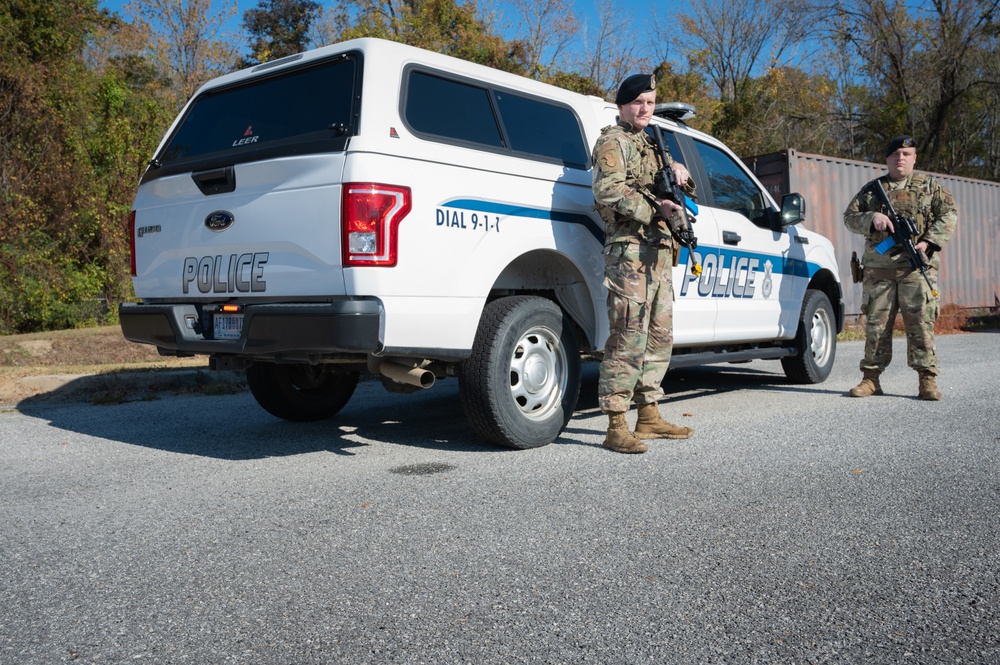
{"x":521,"y":384}
{"x":816,"y":341}
{"x":301,"y":392}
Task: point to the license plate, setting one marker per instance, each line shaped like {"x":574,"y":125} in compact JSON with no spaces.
{"x":228,"y":326}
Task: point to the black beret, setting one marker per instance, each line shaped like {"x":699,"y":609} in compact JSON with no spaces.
{"x":634,"y":86}
{"x":900,"y":142}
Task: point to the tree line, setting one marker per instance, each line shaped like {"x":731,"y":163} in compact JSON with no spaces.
{"x":86,"y":94}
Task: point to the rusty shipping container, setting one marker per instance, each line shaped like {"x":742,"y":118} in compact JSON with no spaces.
{"x":970,"y":262}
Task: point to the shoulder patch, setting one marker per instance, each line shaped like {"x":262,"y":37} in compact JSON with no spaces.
{"x":608,"y":156}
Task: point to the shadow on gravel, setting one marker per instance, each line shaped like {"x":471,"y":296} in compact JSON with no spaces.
{"x":689,"y":383}
{"x":229,"y":424}
{"x":191,"y":414}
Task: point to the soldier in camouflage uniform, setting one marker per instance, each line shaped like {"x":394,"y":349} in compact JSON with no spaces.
{"x":890,"y":285}
{"x":638,"y":254}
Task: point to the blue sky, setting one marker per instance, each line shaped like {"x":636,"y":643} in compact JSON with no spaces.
{"x":585,"y":9}
{"x":578,"y":55}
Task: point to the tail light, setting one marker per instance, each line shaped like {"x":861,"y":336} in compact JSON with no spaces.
{"x":370,"y":220}
{"x":131,"y":240}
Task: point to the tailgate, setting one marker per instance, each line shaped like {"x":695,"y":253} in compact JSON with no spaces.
{"x":275,"y":235}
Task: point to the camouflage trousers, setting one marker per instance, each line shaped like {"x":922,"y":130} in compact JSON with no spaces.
{"x":886,"y":292}
{"x":641,"y":319}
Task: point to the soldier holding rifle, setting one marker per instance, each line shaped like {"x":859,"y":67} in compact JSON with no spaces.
{"x":639,"y":254}
{"x":905,"y":229}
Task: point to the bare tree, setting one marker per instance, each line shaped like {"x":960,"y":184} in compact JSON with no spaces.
{"x":841,"y":66}
{"x":547,"y":28}
{"x":613,"y":53}
{"x":187,"y":40}
{"x":732,"y":41}
{"x":329,"y":25}
{"x":989,"y":111}
{"x":929,"y":67}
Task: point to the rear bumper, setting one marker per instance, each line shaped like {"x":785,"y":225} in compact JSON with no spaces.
{"x":348,"y":326}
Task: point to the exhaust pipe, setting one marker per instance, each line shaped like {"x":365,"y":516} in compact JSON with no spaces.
{"x":411,"y":376}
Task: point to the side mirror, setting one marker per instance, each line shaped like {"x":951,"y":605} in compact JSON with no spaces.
{"x":793,"y":209}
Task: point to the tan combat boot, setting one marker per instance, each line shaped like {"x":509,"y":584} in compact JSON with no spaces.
{"x":869,"y":385}
{"x":620,"y":438}
{"x":928,"y":387}
{"x":652,"y":426}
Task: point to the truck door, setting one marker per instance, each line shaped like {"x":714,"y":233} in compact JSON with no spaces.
{"x":694,"y":315}
{"x":747,"y":271}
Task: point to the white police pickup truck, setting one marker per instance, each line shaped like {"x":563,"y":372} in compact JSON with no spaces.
{"x":370,"y":206}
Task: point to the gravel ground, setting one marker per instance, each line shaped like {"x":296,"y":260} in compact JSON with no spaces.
{"x":797,"y":526}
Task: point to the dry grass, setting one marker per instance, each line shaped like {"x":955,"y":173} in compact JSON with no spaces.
{"x":103,"y":348}
{"x":952,"y":319}
{"x":76,"y":352}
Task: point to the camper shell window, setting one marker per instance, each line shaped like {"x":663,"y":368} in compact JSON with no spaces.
{"x":301,"y":110}
{"x":448,"y":109}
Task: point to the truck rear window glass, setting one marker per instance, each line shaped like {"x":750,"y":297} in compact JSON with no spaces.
{"x":287,"y":107}
{"x":462,"y":112}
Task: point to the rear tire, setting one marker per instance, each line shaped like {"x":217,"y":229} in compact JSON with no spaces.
{"x":816,"y":341}
{"x":301,"y":392}
{"x":521,"y":384}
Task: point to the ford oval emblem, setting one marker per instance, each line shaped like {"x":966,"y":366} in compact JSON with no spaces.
{"x":220,"y":220}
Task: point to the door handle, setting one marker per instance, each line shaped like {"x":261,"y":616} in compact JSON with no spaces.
{"x":216,"y":181}
{"x":731,"y":237}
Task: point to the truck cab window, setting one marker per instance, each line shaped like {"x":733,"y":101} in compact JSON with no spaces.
{"x":672,"y":147}
{"x":732,"y":188}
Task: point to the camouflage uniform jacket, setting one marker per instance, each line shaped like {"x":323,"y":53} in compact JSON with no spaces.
{"x":625,"y":164}
{"x":919,"y":196}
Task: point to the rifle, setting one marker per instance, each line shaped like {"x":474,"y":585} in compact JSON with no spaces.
{"x":665,"y":186}
{"x":904,"y":230}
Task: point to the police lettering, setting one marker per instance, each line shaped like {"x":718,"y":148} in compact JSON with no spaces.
{"x":719,"y":282}
{"x":242,"y":273}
